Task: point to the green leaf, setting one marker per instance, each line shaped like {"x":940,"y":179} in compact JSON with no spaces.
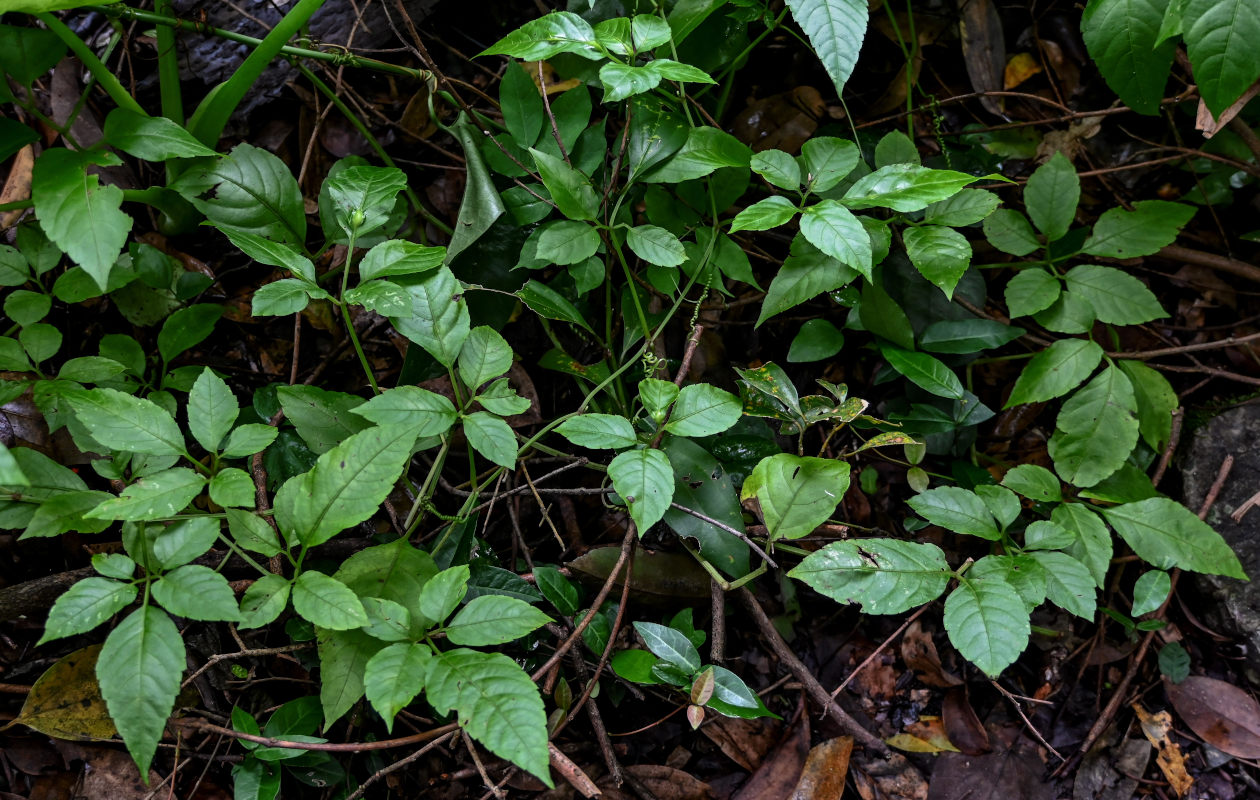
{"x":501,"y":399}
{"x":957,"y":510}
{"x":27,"y":53}
{"x":485,"y":355}
{"x":399,"y":257}
{"x":1174,"y":661}
{"x":558,"y":590}
{"x":623,"y":80}
{"x":86,"y":604}
{"x":1001,"y":502}
{"x":806,"y":273}
{"x":703,"y":484}
{"x":232,"y":487}
{"x":425,"y":412}
{"x":1156,"y":400}
{"x":540,"y":39}
{"x":280,"y":298}
{"x":90,"y":369}
{"x":796,"y":494}
{"x":272,"y":254}
{"x":834,"y":230}
{"x":481,"y":205}
{"x":635,"y":666}
{"x":1009,"y":231}
{"x":438,"y":320}
{"x":1051,"y":195}
{"x":924,"y":371}
{"x":249,"y":190}
{"x":252,"y":532}
{"x":550,"y":304}
{"x":896,"y":148}
{"x":182,"y":541}
{"x":385,"y":298}
{"x":1055,"y":371}
{"x":1150,"y":591}
{"x":778,"y":168}
{"x":497,"y":704}
{"x":25,"y":307}
{"x":1034,"y":482}
{"x":827,"y":161}
{"x":905,"y":187}
{"x":394,"y":676}
{"x":151,"y":138}
{"x":570,"y":190}
{"x":940,"y":254}
{"x":1071,"y":313}
{"x":1117,"y":298}
{"x":967,"y":207}
{"x":1220,"y":38}
{"x":1166,"y":534}
{"x":387,"y":620}
{"x":366,"y":193}
{"x":765,"y":214}
{"x":249,"y":439}
{"x":671,"y":645}
{"x":40,"y":341}
{"x":212,"y":410}
{"x":493,"y":619}
{"x":264,"y":601}
{"x":522,"y":105}
{"x":1096,"y":429}
{"x":323,"y":418}
{"x":139,"y":669}
{"x":705,"y":150}
{"x":1068,"y":583}
{"x":967,"y":335}
{"x":64,"y":512}
{"x":327,"y":602}
{"x":1093,"y":542}
{"x":114,"y":565}
{"x":343,"y":658}
{"x":12,"y":356}
{"x":835,"y":29}
{"x":645,"y":482}
{"x":187,"y":328}
{"x":1030,"y":291}
{"x":817,"y":340}
{"x":656,"y":246}
{"x":703,"y":410}
{"x":567,"y":242}
{"x":1045,"y":535}
{"x":491,"y":437}
{"x":1122,"y":37}
{"x":599,"y":431}
{"x":81,"y":216}
{"x":986,"y":621}
{"x":345,"y":487}
{"x":1150,"y":226}
{"x":196,"y":592}
{"x":674,"y":70}
{"x":443,"y":593}
{"x":45,"y":478}
{"x":163,"y":494}
{"x":885,"y":576}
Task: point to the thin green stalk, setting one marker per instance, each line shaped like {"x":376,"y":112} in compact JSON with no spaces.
{"x":168,"y":63}
{"x":112,"y":86}
{"x":345,"y":311}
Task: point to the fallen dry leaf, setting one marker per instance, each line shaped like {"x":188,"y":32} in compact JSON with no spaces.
{"x":66,"y":701}
{"x":1227,"y":717}
{"x":825,"y":770}
{"x":962,"y":725}
{"x":744,"y":741}
{"x":1170,"y":760}
{"x":781,"y":770}
{"x":918,"y":651}
{"x":1019,"y":68}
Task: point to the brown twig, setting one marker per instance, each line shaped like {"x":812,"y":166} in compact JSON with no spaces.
{"x":1019,"y":709}
{"x":397,"y":765}
{"x":1174,"y":438}
{"x":206,"y":726}
{"x":717,"y":634}
{"x":1142,"y":355}
{"x":815,"y":689}
{"x":692,"y":342}
{"x":1213,"y":261}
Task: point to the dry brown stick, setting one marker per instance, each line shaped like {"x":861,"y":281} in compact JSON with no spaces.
{"x":626,"y":545}
{"x":555,"y":128}
{"x":1174,"y":438}
{"x":1142,"y":355}
{"x":206,"y":726}
{"x":1027,"y":722}
{"x":217,"y":657}
{"x":693,"y":341}
{"x":14,"y":688}
{"x":579,"y":780}
{"x":717,"y":636}
{"x":1204,"y":370}
{"x":1213,"y":261}
{"x":815,"y":689}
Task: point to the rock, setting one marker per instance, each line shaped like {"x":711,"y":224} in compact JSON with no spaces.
{"x":213,"y":60}
{"x":1236,"y":606}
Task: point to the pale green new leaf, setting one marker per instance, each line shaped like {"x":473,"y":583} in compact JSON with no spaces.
{"x":1069,"y":584}
{"x":485,"y":355}
{"x":905,"y":187}
{"x":764,"y":214}
{"x":394,"y":676}
{"x":157,"y":496}
{"x":796,"y":494}
{"x":1150,"y":591}
{"x":424,"y":412}
{"x":438,"y":320}
{"x":703,"y":410}
{"x":196,"y":592}
{"x":986,"y":621}
{"x":957,"y":510}
{"x":835,"y":28}
{"x":1055,"y":371}
{"x":443,"y":593}
{"x":494,"y":619}
{"x":645,"y":482}
{"x":345,"y":487}
{"x":212,"y":410}
{"x":885,"y":576}
{"x":940,"y":254}
{"x":1051,"y":196}
{"x":125,"y":423}
{"x":656,"y":245}
{"x":327,"y":602}
{"x":599,"y":431}
{"x":138,"y":669}
{"x":1166,"y":534}
{"x":82,"y":217}
{"x":834,"y":230}
{"x":86,"y":604}
{"x":264,"y":601}
{"x":497,"y":704}
{"x":1096,"y":429}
